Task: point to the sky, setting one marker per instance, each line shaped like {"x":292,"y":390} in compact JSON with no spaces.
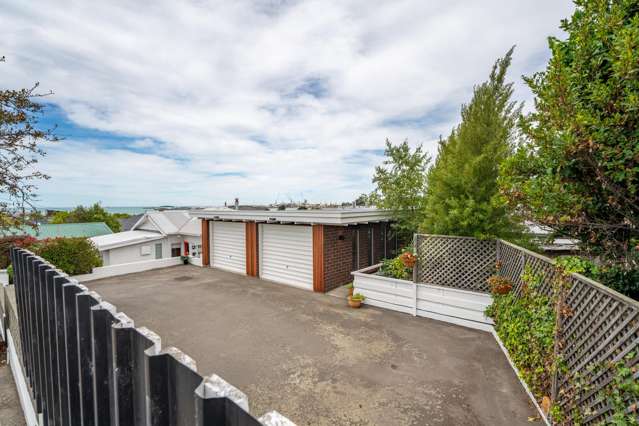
{"x":196,"y":103}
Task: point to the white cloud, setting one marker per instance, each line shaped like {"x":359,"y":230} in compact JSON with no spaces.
{"x":220,"y":96}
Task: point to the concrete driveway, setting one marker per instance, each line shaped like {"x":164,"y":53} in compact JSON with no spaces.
{"x":318,"y":362}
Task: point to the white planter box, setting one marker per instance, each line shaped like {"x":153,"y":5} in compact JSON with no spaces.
{"x":455,"y":306}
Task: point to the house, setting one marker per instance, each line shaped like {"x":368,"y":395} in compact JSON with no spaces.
{"x":310,"y":249}
{"x":126,"y":223}
{"x":64,"y":230}
{"x":552,"y":246}
{"x":156,"y":235}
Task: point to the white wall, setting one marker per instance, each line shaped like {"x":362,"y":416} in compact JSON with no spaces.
{"x":128,"y":268}
{"x":197,"y":241}
{"x":451,"y":305}
{"x":132,"y":253}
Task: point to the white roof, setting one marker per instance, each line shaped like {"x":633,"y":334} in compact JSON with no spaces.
{"x":192,"y":227}
{"x":170,"y":222}
{"x":120,"y":239}
{"x":346,"y":216}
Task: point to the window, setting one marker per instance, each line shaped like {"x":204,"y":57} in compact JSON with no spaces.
{"x":158,"y":251}
{"x":176,"y":250}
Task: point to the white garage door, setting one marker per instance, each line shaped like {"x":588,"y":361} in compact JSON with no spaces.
{"x":228,"y":250}
{"x":286,"y":254}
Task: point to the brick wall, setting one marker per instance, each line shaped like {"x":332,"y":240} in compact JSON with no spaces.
{"x":337,"y":256}
{"x":338,"y":252}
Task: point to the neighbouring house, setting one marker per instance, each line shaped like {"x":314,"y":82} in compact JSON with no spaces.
{"x":552,"y":246}
{"x":311,"y":249}
{"x":156,"y":235}
{"x":64,"y":230}
{"x":126,"y":223}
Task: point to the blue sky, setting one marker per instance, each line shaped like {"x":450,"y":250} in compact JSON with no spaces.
{"x":197,"y":103}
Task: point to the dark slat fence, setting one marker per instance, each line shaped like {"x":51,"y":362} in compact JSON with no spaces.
{"x":597,"y":326}
{"x":88,"y":365}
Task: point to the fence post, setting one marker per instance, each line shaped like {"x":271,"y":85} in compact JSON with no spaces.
{"x":69,"y":292}
{"x":218,"y":402}
{"x":84,"y":302}
{"x":102,"y":318}
{"x":172,"y":382}
{"x":59,"y":281}
{"x":415,"y":275}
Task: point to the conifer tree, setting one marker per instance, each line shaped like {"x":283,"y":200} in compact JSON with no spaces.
{"x":462,"y":196}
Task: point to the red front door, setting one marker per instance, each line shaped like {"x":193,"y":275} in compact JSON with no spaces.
{"x":186,"y":248}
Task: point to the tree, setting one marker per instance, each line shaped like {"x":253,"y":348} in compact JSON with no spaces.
{"x":72,"y":255}
{"x":362,"y":200}
{"x":94,"y":213}
{"x":400,"y":185}
{"x":577,"y":171}
{"x":463,"y":198}
{"x":20,"y":148}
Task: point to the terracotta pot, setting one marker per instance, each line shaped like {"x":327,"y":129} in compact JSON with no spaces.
{"x":350,"y":291}
{"x":354,"y":303}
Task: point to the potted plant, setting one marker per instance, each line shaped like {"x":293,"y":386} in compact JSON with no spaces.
{"x":349,"y":287}
{"x":185,"y":259}
{"x":355,"y":301}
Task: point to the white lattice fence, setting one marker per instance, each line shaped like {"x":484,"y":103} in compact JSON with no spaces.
{"x":458,"y":262}
{"x":601,"y":326}
{"x":598,"y":326}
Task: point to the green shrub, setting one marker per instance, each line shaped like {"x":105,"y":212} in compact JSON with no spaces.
{"x":358,"y":296}
{"x":625,"y":281}
{"x":526,"y":326}
{"x":394,"y":268}
{"x":72,"y":255}
{"x":10,"y":273}
{"x":619,"y":278}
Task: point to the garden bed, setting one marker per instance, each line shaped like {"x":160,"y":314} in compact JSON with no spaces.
{"x":461,"y":307}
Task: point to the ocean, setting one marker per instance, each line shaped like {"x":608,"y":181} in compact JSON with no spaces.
{"x":126,"y":209}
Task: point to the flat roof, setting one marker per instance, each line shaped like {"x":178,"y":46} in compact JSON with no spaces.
{"x":120,"y":239}
{"x":337,"y":216}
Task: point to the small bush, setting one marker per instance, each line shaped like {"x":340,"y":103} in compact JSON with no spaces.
{"x":72,"y":255}
{"x":394,"y":268}
{"x":10,"y":273}
{"x":400,"y":267}
{"x":358,"y":296}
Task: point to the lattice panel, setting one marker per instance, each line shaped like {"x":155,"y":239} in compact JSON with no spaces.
{"x":457,"y":262}
{"x":601,"y":327}
{"x":511,"y":261}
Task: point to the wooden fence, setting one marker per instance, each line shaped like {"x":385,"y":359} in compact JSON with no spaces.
{"x":597,"y":325}
{"x":86,"y":364}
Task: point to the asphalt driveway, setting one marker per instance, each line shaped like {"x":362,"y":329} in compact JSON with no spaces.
{"x":318,"y":362}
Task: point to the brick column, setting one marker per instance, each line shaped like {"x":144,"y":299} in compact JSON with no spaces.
{"x":318,"y":258}
{"x":206,"y":249}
